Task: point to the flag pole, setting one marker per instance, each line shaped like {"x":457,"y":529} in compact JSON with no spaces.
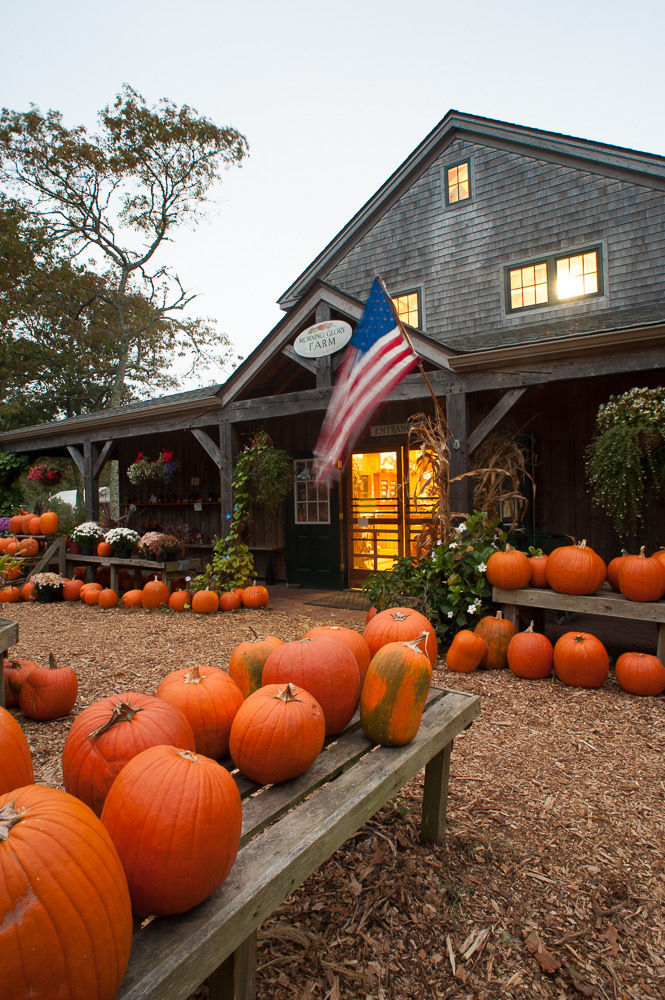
{"x":410,"y":343}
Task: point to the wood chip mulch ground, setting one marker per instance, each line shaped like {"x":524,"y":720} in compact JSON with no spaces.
{"x":551,"y":882}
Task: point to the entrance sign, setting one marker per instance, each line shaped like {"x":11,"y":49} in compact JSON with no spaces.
{"x":322,"y":339}
{"x":388,"y":430}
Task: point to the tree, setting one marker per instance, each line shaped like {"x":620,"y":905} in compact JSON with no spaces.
{"x":118,"y":195}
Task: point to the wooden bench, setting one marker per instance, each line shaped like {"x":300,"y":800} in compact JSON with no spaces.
{"x":8,"y":637}
{"x":288,"y":831}
{"x":605,"y":602}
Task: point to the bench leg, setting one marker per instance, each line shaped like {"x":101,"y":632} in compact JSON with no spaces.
{"x":235,"y":979}
{"x":435,"y":797}
{"x":660,"y":647}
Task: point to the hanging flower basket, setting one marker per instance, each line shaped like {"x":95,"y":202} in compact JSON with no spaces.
{"x":144,"y":470}
{"x":43,"y":474}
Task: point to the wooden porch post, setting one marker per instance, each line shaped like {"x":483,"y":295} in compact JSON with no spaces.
{"x":457,"y":415}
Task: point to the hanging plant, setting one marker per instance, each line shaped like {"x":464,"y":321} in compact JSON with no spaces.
{"x":263,"y":474}
{"x":626,"y":459}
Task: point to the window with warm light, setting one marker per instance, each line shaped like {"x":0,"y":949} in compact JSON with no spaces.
{"x":407,"y":307}
{"x":554,"y":279}
{"x":458,"y":183}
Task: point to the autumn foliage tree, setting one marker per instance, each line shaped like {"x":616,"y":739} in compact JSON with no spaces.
{"x":91,"y":315}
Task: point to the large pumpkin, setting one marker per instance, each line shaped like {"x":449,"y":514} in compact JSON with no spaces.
{"x":179,"y":600}
{"x":354,"y":640}
{"x":394,"y":692}
{"x":277,"y":733}
{"x":230,"y":600}
{"x":400,"y":625}
{"x":175,"y":818}
{"x":326,"y":668}
{"x":48,"y":692}
{"x":581,"y":660}
{"x":248,"y":659}
{"x":497,"y":632}
{"x":530,"y":654}
{"x":642,"y":577}
{"x":255,"y":596}
{"x":110,"y":732}
{"x":204,"y":602}
{"x":209,"y":699}
{"x":15,"y":759}
{"x":640,"y":673}
{"x":49,"y":523}
{"x":509,"y":569}
{"x":65,"y":912}
{"x":155,"y":594}
{"x":575,"y":569}
{"x":466,"y":651}
{"x":132,"y":599}
{"x":71,"y":590}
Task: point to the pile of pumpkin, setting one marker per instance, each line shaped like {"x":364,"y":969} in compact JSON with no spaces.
{"x":150,"y":821}
{"x":577,"y":658}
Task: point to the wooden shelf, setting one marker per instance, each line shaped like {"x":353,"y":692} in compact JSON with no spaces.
{"x":172,"y":503}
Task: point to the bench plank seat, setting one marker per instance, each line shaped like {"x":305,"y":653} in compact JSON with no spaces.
{"x":288,"y":831}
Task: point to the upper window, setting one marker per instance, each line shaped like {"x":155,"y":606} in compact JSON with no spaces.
{"x":554,"y":279}
{"x":458,"y":183}
{"x":407,"y":307}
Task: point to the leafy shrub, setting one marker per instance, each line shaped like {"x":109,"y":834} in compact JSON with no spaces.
{"x":448,"y":584}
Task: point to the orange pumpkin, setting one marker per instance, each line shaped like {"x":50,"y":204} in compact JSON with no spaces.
{"x":28,"y":592}
{"x":255,"y":596}
{"x":466,"y":651}
{"x":104,"y":549}
{"x":155,"y":594}
{"x":28,"y":547}
{"x":71,"y":590}
{"x":530,"y":654}
{"x":132,"y":599}
{"x":640,"y":673}
{"x":15,"y":759}
{"x":642,"y":577}
{"x":25,"y":524}
{"x":16,"y":672}
{"x":209,"y":699}
{"x":204,"y":602}
{"x":509,"y":569}
{"x":394,"y":692}
{"x":575,"y":569}
{"x":107,"y":598}
{"x":613,"y":570}
{"x":179,"y":600}
{"x":10,"y":595}
{"x":49,"y":523}
{"x":90,"y":595}
{"x":400,"y":625}
{"x":34,"y":525}
{"x":248,"y":659}
{"x":497,"y":632}
{"x":15,"y":524}
{"x":581,"y":660}
{"x":230,"y":601}
{"x":538,"y":569}
{"x":48,"y":692}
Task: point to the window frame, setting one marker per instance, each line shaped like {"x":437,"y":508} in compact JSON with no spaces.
{"x":410,"y":291}
{"x":446,"y":187}
{"x":320,"y":494}
{"x":550,"y":261}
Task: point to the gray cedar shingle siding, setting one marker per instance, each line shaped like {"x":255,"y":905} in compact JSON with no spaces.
{"x":521,"y":208}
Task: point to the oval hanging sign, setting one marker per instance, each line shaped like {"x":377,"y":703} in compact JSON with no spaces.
{"x":322,"y":339}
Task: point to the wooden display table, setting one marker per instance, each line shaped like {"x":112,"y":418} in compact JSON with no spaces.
{"x":605,"y":602}
{"x":54,"y":549}
{"x":167,"y":570}
{"x":288,"y":831}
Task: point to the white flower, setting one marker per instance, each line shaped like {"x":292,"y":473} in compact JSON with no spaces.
{"x":450,"y":614}
{"x":115,"y":535}
{"x":459,"y":528}
{"x":481,"y":567}
{"x":88,"y":531}
{"x":471,"y":610}
{"x":453,"y":545}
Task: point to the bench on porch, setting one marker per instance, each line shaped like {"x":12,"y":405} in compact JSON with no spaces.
{"x":289,"y":830}
{"x":166,"y":570}
{"x":606,"y":602}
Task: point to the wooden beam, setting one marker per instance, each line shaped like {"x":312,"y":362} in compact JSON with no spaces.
{"x":457,"y":416}
{"x":488,"y":423}
{"x":290,"y":353}
{"x":77,"y":458}
{"x":90,"y":482}
{"x":228,"y":441}
{"x":208,"y":445}
{"x":103,"y":457}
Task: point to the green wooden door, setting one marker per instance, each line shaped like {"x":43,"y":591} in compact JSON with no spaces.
{"x":312,"y":532}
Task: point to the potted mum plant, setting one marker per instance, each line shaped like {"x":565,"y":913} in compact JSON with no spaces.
{"x":48,"y":587}
{"x":160,"y":547}
{"x":123,"y":541}
{"x":87,"y":536}
{"x":626,"y":458}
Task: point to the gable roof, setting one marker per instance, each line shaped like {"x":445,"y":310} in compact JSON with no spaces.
{"x":595,"y":157}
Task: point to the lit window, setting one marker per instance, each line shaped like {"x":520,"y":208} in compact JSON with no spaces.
{"x":312,"y":502}
{"x":408,"y":308}
{"x":554,"y":279}
{"x":577,"y":275}
{"x":528,"y":286}
{"x":458,"y":187}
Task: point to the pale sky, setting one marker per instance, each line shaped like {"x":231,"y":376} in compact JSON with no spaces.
{"x":332,"y":97}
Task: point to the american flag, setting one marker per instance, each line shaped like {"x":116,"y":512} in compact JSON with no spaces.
{"x":377,"y":358}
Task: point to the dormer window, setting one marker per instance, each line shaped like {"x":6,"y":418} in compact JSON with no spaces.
{"x":554,"y":279}
{"x":407,"y":307}
{"x":458,"y":183}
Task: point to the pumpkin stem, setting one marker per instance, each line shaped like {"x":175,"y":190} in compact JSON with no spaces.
{"x":415,"y":643}
{"x":288,"y":694}
{"x":254,"y":632}
{"x":188,"y":755}
{"x":499,"y":615}
{"x":194,"y":676}
{"x":530,"y":628}
{"x":399,"y":617}
{"x":9,"y":817}
{"x":52,"y":665}
{"x":642,"y":552}
{"x":122,"y":712}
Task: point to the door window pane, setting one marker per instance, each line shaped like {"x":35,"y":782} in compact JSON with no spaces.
{"x":312,"y":502}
